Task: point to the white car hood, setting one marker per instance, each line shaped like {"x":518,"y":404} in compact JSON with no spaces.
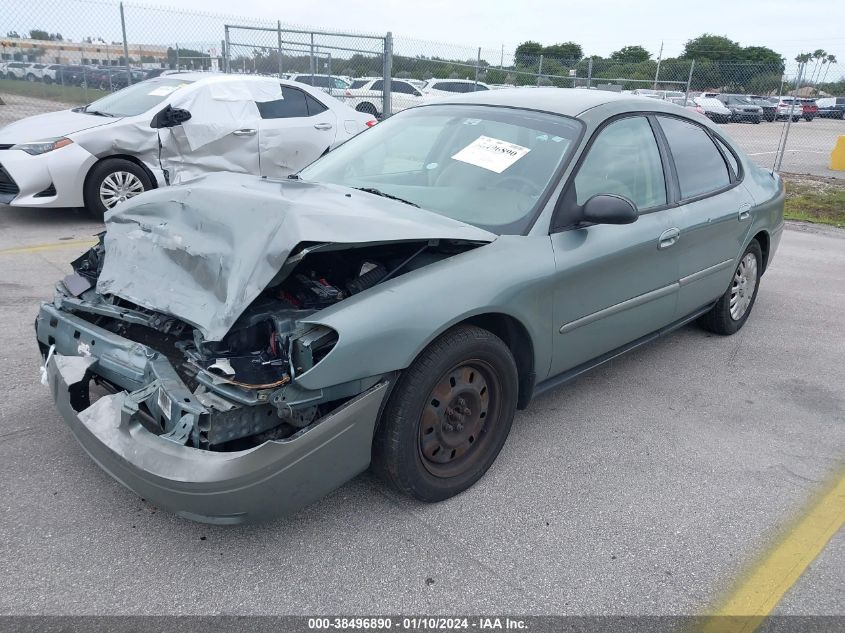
{"x":50,"y":125}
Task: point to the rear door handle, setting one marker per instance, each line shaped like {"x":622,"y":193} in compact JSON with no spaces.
{"x":745,"y":212}
{"x":322,"y":126}
{"x":245,"y":132}
{"x":668,"y":237}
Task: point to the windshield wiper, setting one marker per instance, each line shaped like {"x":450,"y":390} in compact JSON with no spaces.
{"x":379,"y":192}
{"x":96,"y":112}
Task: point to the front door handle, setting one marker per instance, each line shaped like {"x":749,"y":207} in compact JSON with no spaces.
{"x":668,"y":237}
{"x":245,"y":132}
{"x":322,"y":126}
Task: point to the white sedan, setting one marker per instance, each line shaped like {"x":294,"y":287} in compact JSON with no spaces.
{"x":167,"y":130}
{"x":366,"y":94}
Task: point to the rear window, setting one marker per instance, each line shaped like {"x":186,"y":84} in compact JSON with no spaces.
{"x":358,"y":83}
{"x":700,"y":165}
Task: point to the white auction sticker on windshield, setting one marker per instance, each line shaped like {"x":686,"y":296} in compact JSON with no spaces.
{"x":491,"y":153}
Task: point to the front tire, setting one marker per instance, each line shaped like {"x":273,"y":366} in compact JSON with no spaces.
{"x":448,"y":416}
{"x":731,"y":311}
{"x":111,"y":182}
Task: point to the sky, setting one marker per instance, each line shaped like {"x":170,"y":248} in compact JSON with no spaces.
{"x":600,"y":26}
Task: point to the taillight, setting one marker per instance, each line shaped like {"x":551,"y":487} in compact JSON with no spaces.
{"x":348,"y":94}
{"x":371,"y":123}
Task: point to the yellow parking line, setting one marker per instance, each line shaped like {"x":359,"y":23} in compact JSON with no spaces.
{"x":756,"y":596}
{"x":47,"y":247}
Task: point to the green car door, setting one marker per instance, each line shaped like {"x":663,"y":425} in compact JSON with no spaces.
{"x":714,"y":216}
{"x":614,"y":283}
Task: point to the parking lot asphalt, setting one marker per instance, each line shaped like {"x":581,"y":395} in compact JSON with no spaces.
{"x":808,"y":145}
{"x":648,"y":486}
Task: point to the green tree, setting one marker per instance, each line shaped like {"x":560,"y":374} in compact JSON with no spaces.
{"x":527,"y":51}
{"x":631,"y":55}
{"x":712,"y":47}
{"x":569,"y":51}
{"x":38,"y":34}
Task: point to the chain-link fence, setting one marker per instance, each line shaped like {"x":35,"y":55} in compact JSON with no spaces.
{"x":58,"y":55}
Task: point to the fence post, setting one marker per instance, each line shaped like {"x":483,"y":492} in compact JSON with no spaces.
{"x":177,"y":55}
{"x":477,"y":64}
{"x":539,"y":70}
{"x":659,"y":59}
{"x":279,"y":33}
{"x":227,"y":57}
{"x":689,"y":81}
{"x":782,"y":146}
{"x":589,"y":72}
{"x":311,"y":58}
{"x":387,"y":71}
{"x":125,"y":46}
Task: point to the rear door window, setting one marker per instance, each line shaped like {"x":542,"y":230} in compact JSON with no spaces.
{"x":700,"y":165}
{"x":292,"y":104}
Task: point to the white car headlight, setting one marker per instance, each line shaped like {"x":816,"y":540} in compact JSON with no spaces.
{"x":42,"y":147}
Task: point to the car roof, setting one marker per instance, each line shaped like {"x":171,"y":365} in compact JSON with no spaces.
{"x":565,"y":101}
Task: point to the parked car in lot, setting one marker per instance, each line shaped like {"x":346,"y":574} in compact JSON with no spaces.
{"x":714,"y":109}
{"x":16,"y":70}
{"x":809,"y":109}
{"x":831,"y":107}
{"x":331,"y":84}
{"x":366,"y":94}
{"x":689,"y":104}
{"x":789,"y":107}
{"x":296,"y":339}
{"x":165,"y":130}
{"x":449,"y":87}
{"x":742,"y":109}
{"x":767,"y":105}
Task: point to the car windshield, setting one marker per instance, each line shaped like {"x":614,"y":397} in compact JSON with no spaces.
{"x":136,"y":99}
{"x":483,"y":165}
{"x":740,"y":100}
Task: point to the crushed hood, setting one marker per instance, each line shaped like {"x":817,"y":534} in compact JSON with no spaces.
{"x":51,"y":125}
{"x":203,"y":251}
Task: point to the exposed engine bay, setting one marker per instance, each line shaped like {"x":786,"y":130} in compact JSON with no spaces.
{"x":247,"y":378}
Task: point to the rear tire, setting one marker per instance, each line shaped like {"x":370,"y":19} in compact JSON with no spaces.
{"x":731,"y":311}
{"x":448,"y":416}
{"x":116,"y":175}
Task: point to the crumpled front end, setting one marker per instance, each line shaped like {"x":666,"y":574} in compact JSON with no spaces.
{"x":224,"y":429}
{"x":135,"y":416}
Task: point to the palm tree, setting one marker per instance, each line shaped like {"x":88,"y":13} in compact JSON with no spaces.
{"x":820,"y":57}
{"x":831,"y":59}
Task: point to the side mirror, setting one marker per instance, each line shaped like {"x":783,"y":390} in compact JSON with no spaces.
{"x":609,"y":209}
{"x":170,"y":117}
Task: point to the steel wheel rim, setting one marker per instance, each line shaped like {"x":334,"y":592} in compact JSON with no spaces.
{"x":119,"y":186}
{"x":743,"y":286}
{"x":457,"y":419}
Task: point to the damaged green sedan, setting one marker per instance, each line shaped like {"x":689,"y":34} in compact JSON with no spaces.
{"x":236,"y":347}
